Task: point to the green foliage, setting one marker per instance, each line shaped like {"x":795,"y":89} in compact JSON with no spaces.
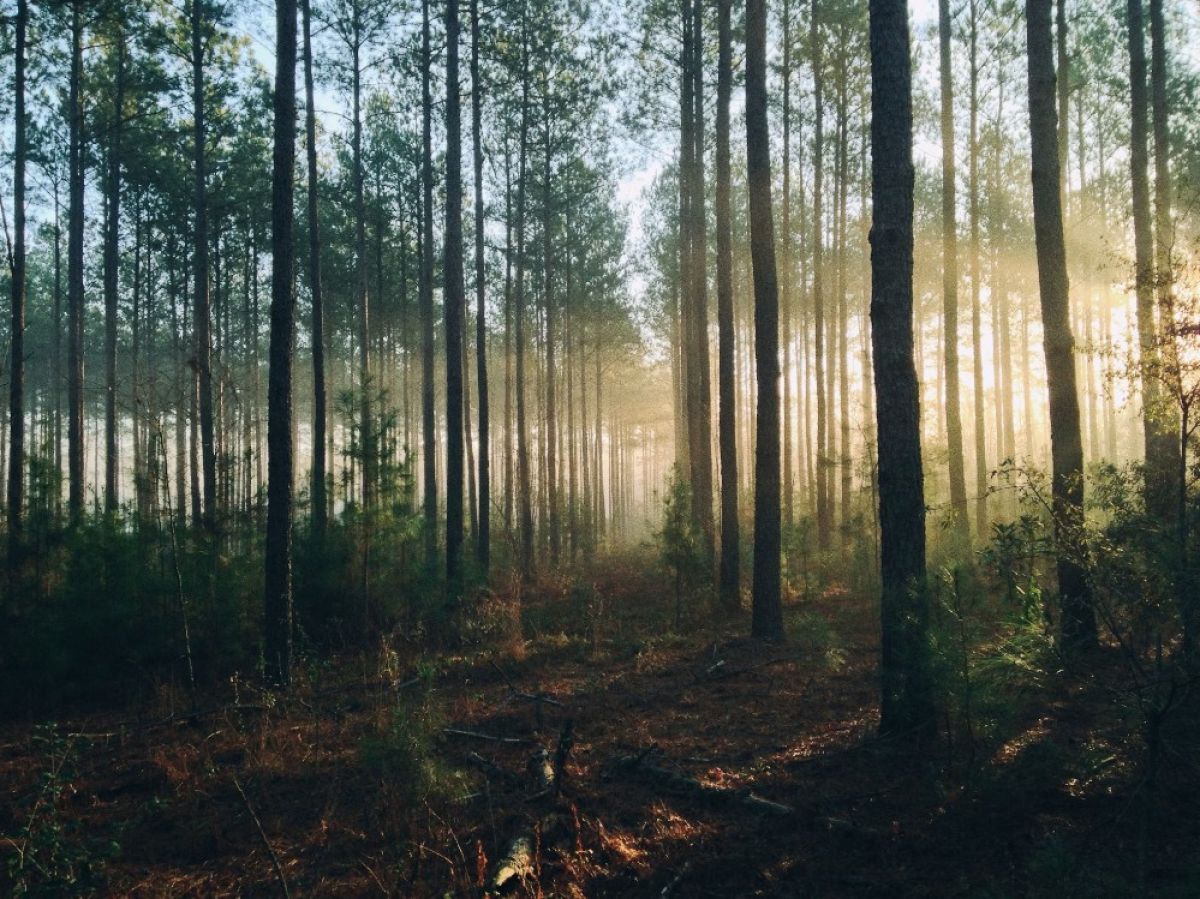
{"x":52,"y":856}
{"x":989,"y":649}
{"x":680,"y":541}
{"x":816,"y":638}
{"x":405,"y":754}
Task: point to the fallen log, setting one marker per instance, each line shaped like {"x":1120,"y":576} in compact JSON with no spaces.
{"x":541,"y":771}
{"x":681,"y":783}
{"x":515,"y":865}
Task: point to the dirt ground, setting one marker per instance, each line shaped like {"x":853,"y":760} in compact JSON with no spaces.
{"x":673,"y":741}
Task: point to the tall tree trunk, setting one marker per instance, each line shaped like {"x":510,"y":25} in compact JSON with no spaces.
{"x":453,"y":298}
{"x":954,"y":437}
{"x":551,"y":439}
{"x":1158,"y":445}
{"x":1164,"y":239}
{"x":428,"y":421}
{"x":320,"y":503}
{"x":700,"y":413}
{"x":843,"y":189}
{"x":200,"y":304}
{"x":366,"y":434}
{"x":767,"y":611}
{"x":1063,"y":86}
{"x":787,"y":270}
{"x":112,"y":233}
{"x":75,"y":298}
{"x":1066,"y":447}
{"x":729,"y":580}
{"x":483,"y":545}
{"x":277,"y":595}
{"x":907,"y":700}
{"x":981,"y":467}
{"x":56,"y":347}
{"x":16,"y":385}
{"x":509,"y":481}
{"x":525,"y":500}
{"x":824,"y":500}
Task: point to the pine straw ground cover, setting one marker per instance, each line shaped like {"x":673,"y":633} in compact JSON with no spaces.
{"x":375,"y":776}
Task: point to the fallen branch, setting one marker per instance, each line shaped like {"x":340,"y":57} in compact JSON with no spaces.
{"x":490,"y":768}
{"x":514,"y":693}
{"x":719,"y":670}
{"x":476,"y":735}
{"x":676,"y":880}
{"x":267,"y":843}
{"x":681,"y":783}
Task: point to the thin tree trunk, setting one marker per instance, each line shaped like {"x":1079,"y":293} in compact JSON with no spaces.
{"x":112,"y":191}
{"x":75,"y":297}
{"x":1159,"y":446}
{"x":483,"y":538}
{"x":981,"y":465}
{"x":824,"y":501}
{"x":551,"y":431}
{"x":729,"y":580}
{"x":767,"y":611}
{"x":16,"y":386}
{"x":1164,"y":238}
{"x":1078,"y":620}
{"x":200,"y":304}
{"x":525,"y":500}
{"x":428,"y":420}
{"x":453,"y":298}
{"x":277,"y":595}
{"x":320,"y":502}
{"x":954,"y":437}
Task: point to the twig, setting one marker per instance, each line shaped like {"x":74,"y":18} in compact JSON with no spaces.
{"x":676,"y":880}
{"x":476,"y":735}
{"x":267,"y":843}
{"x":720,"y":670}
{"x":538,"y":697}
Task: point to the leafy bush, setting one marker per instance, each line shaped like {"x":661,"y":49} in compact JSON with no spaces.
{"x":51,"y":855}
{"x":680,"y":541}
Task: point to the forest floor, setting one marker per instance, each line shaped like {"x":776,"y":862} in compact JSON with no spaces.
{"x":371,"y":780}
